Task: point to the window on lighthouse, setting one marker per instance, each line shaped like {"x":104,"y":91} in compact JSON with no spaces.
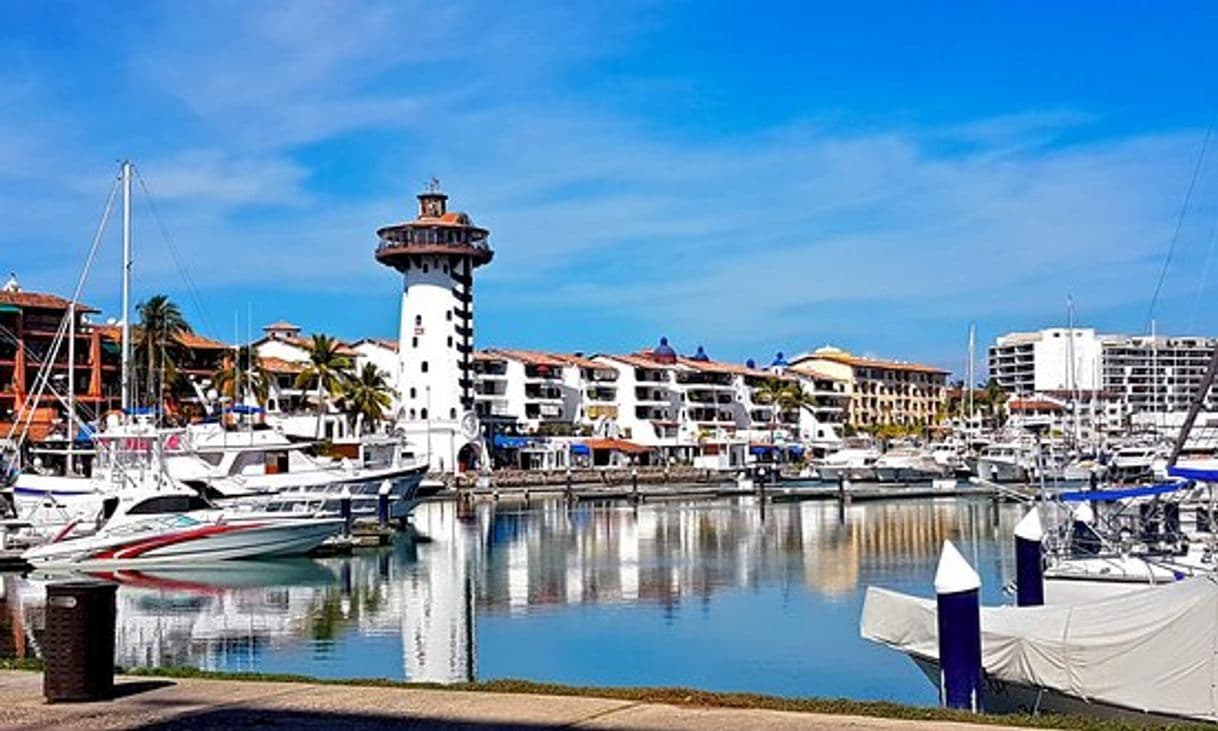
{"x":423,"y":366}
{"x":418,"y":319}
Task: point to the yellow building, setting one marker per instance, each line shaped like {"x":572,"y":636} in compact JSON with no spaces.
{"x":882,"y":391}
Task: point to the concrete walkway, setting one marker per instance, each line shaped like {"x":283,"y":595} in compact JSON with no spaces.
{"x":150,"y":703}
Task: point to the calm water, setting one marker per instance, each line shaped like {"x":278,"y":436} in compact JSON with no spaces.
{"x":711,"y":595}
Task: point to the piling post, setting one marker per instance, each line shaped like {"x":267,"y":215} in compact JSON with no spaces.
{"x":570,"y":488}
{"x":958,"y":603}
{"x":634,"y":484}
{"x":344,"y":510}
{"x":1029,"y":561}
{"x":382,"y":504}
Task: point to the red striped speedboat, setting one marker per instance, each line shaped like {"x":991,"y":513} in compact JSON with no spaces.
{"x":162,"y":528}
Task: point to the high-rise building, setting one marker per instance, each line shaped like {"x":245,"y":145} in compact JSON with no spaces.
{"x":1056,"y":359}
{"x":436,"y":254}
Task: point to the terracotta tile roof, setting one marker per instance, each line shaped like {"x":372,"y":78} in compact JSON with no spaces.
{"x":1034,"y":405}
{"x":841,"y":356}
{"x":578,"y":361}
{"x":530,"y":357}
{"x":279,"y":365}
{"x":281,"y":325}
{"x":191,"y":340}
{"x":40,"y":301}
{"x":616,"y":445}
{"x":639,"y":360}
{"x":196,"y":341}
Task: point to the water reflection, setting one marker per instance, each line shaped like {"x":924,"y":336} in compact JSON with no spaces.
{"x":557,"y":592}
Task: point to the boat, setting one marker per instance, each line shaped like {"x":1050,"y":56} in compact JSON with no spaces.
{"x":1008,"y":461}
{"x":909,"y":464}
{"x":167,"y":527}
{"x":1137,"y":463}
{"x":854,"y":462}
{"x":1142,"y":656}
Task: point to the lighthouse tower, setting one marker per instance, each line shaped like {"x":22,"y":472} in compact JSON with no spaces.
{"x":437,"y":253}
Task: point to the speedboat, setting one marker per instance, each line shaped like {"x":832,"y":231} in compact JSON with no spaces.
{"x":156,"y":527}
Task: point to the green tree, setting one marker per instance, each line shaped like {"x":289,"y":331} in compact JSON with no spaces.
{"x":327,"y":371}
{"x":155,"y":339}
{"x":367,"y":394}
{"x":243,"y":371}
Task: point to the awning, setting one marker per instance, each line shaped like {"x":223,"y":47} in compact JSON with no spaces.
{"x":1192,"y":473}
{"x":505,"y":441}
{"x":244,"y":409}
{"x":580,"y":450}
{"x":762,"y":450}
{"x":1123,"y":492}
{"x":616,"y":445}
{"x":9,"y":309}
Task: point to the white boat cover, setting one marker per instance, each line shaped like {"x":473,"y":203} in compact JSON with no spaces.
{"x":1154,"y":651}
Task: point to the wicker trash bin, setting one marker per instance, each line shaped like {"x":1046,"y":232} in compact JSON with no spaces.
{"x":78,"y":644}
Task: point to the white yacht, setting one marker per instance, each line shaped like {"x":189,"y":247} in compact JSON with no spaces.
{"x":909,"y":464}
{"x":854,"y":462}
{"x":1007,"y":462}
{"x":1137,"y":463}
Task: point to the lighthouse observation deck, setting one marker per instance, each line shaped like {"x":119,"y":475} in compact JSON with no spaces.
{"x":435,"y":232}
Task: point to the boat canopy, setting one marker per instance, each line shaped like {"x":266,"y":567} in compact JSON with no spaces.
{"x":1193,"y":473}
{"x":1152,"y":650}
{"x":1122,"y":493}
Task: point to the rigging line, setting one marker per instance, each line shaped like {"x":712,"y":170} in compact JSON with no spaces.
{"x":44,"y":372}
{"x":191,"y":289}
{"x":1205,"y":273}
{"x":1188,"y":196}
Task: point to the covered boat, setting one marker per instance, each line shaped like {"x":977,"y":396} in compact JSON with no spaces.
{"x":1148,"y":652}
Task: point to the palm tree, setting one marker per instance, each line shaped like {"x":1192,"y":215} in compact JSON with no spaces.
{"x":772,"y":392}
{"x":243,"y":368}
{"x":367,"y":394}
{"x":161,"y":321}
{"x":327,"y":371}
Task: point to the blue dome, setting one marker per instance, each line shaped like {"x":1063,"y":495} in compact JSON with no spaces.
{"x":701,"y":355}
{"x":664,"y":352}
{"x":779,"y":361}
{"x":750,"y":363}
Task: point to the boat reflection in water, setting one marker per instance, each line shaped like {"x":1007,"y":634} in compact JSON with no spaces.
{"x":714,"y":595}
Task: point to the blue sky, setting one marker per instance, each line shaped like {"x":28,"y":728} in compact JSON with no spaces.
{"x":751,"y":177}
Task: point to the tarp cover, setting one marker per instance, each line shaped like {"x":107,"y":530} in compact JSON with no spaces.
{"x":1153,"y":650}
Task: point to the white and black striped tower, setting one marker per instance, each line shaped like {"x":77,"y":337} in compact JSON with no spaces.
{"x":437,"y":253}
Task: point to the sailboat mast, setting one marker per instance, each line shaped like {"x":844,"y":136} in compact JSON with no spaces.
{"x":1072,"y":370}
{"x":71,"y":383}
{"x":126,"y":358}
{"x":972,"y":367}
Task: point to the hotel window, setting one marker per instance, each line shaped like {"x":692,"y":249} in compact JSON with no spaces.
{"x":424,"y":271}
{"x":423,"y":414}
{"x":423,"y":366}
{"x":412,"y":393}
{"x":412,"y":413}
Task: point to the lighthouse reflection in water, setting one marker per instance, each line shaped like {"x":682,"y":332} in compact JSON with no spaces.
{"x":716,"y":595}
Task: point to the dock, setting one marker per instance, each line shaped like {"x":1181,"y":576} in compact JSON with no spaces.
{"x":145,"y":702}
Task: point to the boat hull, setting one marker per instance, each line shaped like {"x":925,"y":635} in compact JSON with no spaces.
{"x":190,"y":544}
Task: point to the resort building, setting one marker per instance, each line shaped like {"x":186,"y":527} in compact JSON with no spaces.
{"x":1136,"y":374}
{"x":436,"y":254}
{"x":881,"y":391}
{"x":283,"y":354}
{"x":1046,"y":360}
{"x":29,"y":322}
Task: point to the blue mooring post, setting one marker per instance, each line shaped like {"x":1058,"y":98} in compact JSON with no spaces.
{"x":344,"y":510}
{"x":1029,"y":561}
{"x":958,"y":599}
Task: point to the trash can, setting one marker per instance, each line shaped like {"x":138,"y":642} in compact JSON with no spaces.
{"x":78,"y":644}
